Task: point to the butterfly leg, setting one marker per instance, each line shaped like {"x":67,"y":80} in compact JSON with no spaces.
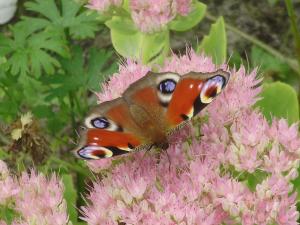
{"x":147,"y":150}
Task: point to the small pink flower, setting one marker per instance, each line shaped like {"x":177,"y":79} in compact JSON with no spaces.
{"x":151,"y":16}
{"x":41,"y":200}
{"x":129,"y":72}
{"x":98,"y":165}
{"x":183,"y":7}
{"x":103,"y":5}
{"x":250,"y":130}
{"x":287,"y":212}
{"x":287,"y":136}
{"x":9,"y":187}
{"x":277,"y":160}
{"x":239,"y":96}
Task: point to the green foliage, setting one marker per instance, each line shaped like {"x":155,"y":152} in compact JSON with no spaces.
{"x":75,"y":74}
{"x":37,"y":56}
{"x":7,"y":214}
{"x":267,"y":62}
{"x":70,"y":195}
{"x":67,"y":16}
{"x":30,"y":51}
{"x":215,"y":43}
{"x":34,"y":40}
{"x":151,"y":48}
{"x":183,"y":23}
{"x":279,"y":100}
{"x":131,"y":43}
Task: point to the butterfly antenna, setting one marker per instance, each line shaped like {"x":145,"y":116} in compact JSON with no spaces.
{"x":77,"y":133}
{"x":73,"y":142}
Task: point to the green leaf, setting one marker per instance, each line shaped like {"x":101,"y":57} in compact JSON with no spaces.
{"x":78,"y":75}
{"x":7,"y":214}
{"x":154,"y":47}
{"x":5,"y":45}
{"x":70,"y":15}
{"x":215,"y":43}
{"x":70,"y":195}
{"x":33,"y":24}
{"x":43,"y":111}
{"x":279,"y":100}
{"x":19,"y":62}
{"x":151,"y":48}
{"x":123,"y":25}
{"x":296,"y":184}
{"x":31,"y":49}
{"x":183,"y":23}
{"x":268,"y":63}
{"x":46,"y":8}
{"x":98,"y":68}
{"x":252,"y":179}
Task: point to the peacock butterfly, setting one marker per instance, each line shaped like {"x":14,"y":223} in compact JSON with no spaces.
{"x":149,"y":111}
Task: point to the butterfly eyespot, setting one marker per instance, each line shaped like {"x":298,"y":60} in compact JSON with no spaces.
{"x":94,"y":152}
{"x":212,"y":88}
{"x":167,"y":86}
{"x":100,"y":122}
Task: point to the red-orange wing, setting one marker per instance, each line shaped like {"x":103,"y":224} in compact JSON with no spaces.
{"x":110,"y":131}
{"x":193,"y":92}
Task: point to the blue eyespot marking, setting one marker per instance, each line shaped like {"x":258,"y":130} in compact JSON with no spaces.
{"x":219,"y":80}
{"x":100,"y":122}
{"x":167,"y":86}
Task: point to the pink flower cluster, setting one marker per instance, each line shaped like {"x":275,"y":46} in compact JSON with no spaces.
{"x":152,"y":16}
{"x":237,"y":172}
{"x":103,"y":5}
{"x":36,"y":199}
{"x":148,"y":15}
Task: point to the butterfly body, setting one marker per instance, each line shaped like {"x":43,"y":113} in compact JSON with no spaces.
{"x":149,"y":111}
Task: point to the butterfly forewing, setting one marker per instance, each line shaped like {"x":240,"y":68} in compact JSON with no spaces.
{"x":193,"y":92}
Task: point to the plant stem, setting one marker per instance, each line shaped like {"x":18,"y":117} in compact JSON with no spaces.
{"x":295,"y":30}
{"x":291,"y":62}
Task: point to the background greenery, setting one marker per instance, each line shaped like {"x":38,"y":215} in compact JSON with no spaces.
{"x":55,"y":53}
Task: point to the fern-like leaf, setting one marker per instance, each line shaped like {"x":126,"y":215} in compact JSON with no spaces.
{"x":69,"y":16}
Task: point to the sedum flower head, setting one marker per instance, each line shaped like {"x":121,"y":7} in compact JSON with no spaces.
{"x":149,"y":16}
{"x":40,"y":200}
{"x":152,"y":16}
{"x":36,"y":199}
{"x":203,"y":180}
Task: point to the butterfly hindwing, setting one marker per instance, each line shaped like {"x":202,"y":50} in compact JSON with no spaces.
{"x":110,"y":131}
